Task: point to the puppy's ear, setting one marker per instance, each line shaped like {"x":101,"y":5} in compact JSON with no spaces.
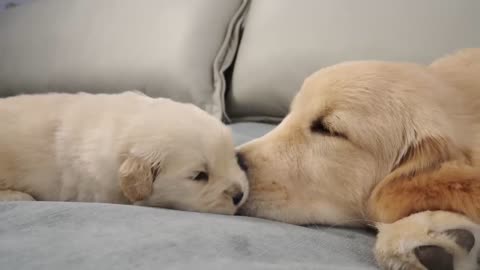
{"x":136,"y":178}
{"x":432,"y":175}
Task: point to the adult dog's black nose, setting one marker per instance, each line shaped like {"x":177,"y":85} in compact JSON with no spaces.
{"x":237,"y":198}
{"x":241,"y":162}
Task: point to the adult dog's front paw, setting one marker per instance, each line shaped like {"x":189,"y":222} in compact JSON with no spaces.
{"x":429,"y":240}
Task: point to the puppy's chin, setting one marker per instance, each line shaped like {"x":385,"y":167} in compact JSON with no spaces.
{"x":244,"y":212}
{"x":246,"y":209}
{"x":217,"y":211}
{"x":146,"y":203}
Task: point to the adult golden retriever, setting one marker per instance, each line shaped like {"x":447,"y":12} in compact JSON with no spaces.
{"x":395,"y":145}
{"x":117,"y":148}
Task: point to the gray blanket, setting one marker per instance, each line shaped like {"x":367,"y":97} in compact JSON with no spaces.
{"x":49,"y":235}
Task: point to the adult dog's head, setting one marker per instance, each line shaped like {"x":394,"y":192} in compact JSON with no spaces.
{"x":177,"y":156}
{"x":351,"y":127}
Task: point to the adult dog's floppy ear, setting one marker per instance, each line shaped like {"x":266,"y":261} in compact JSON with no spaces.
{"x":136,"y":178}
{"x":432,"y":175}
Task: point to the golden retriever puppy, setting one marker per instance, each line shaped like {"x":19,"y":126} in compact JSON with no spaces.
{"x":380,"y":143}
{"x":117,"y":148}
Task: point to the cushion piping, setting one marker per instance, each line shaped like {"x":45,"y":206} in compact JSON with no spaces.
{"x":224,"y":59}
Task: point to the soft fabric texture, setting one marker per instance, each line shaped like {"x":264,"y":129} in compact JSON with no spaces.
{"x":284,"y":41}
{"x":175,"y":49}
{"x":54,"y":236}
{"x":6,"y":4}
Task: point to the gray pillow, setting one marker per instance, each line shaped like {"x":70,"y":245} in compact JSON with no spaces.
{"x":175,"y":49}
{"x":284,"y":41}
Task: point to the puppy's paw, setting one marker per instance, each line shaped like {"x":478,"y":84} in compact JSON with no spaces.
{"x":428,"y":240}
{"x":11,"y":195}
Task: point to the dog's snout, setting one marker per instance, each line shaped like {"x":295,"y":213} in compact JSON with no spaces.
{"x":237,"y":198}
{"x":242,"y":162}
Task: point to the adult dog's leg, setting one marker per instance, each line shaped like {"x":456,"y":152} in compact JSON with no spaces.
{"x":452,"y":186}
{"x":12,"y":195}
{"x":430,"y":240}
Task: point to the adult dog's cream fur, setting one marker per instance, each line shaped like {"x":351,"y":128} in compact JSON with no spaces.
{"x":118,"y":148}
{"x":373,"y":142}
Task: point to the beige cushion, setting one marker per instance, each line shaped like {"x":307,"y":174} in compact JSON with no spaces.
{"x":284,"y":41}
{"x":176,"y":49}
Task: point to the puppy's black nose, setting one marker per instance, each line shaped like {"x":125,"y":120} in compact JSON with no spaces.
{"x":237,"y":198}
{"x":241,"y":162}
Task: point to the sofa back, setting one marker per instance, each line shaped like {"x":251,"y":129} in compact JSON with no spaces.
{"x":284,"y":41}
{"x":176,"y":49}
{"x":182,"y":49}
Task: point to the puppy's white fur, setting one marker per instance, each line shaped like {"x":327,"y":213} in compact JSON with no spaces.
{"x":118,"y":148}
